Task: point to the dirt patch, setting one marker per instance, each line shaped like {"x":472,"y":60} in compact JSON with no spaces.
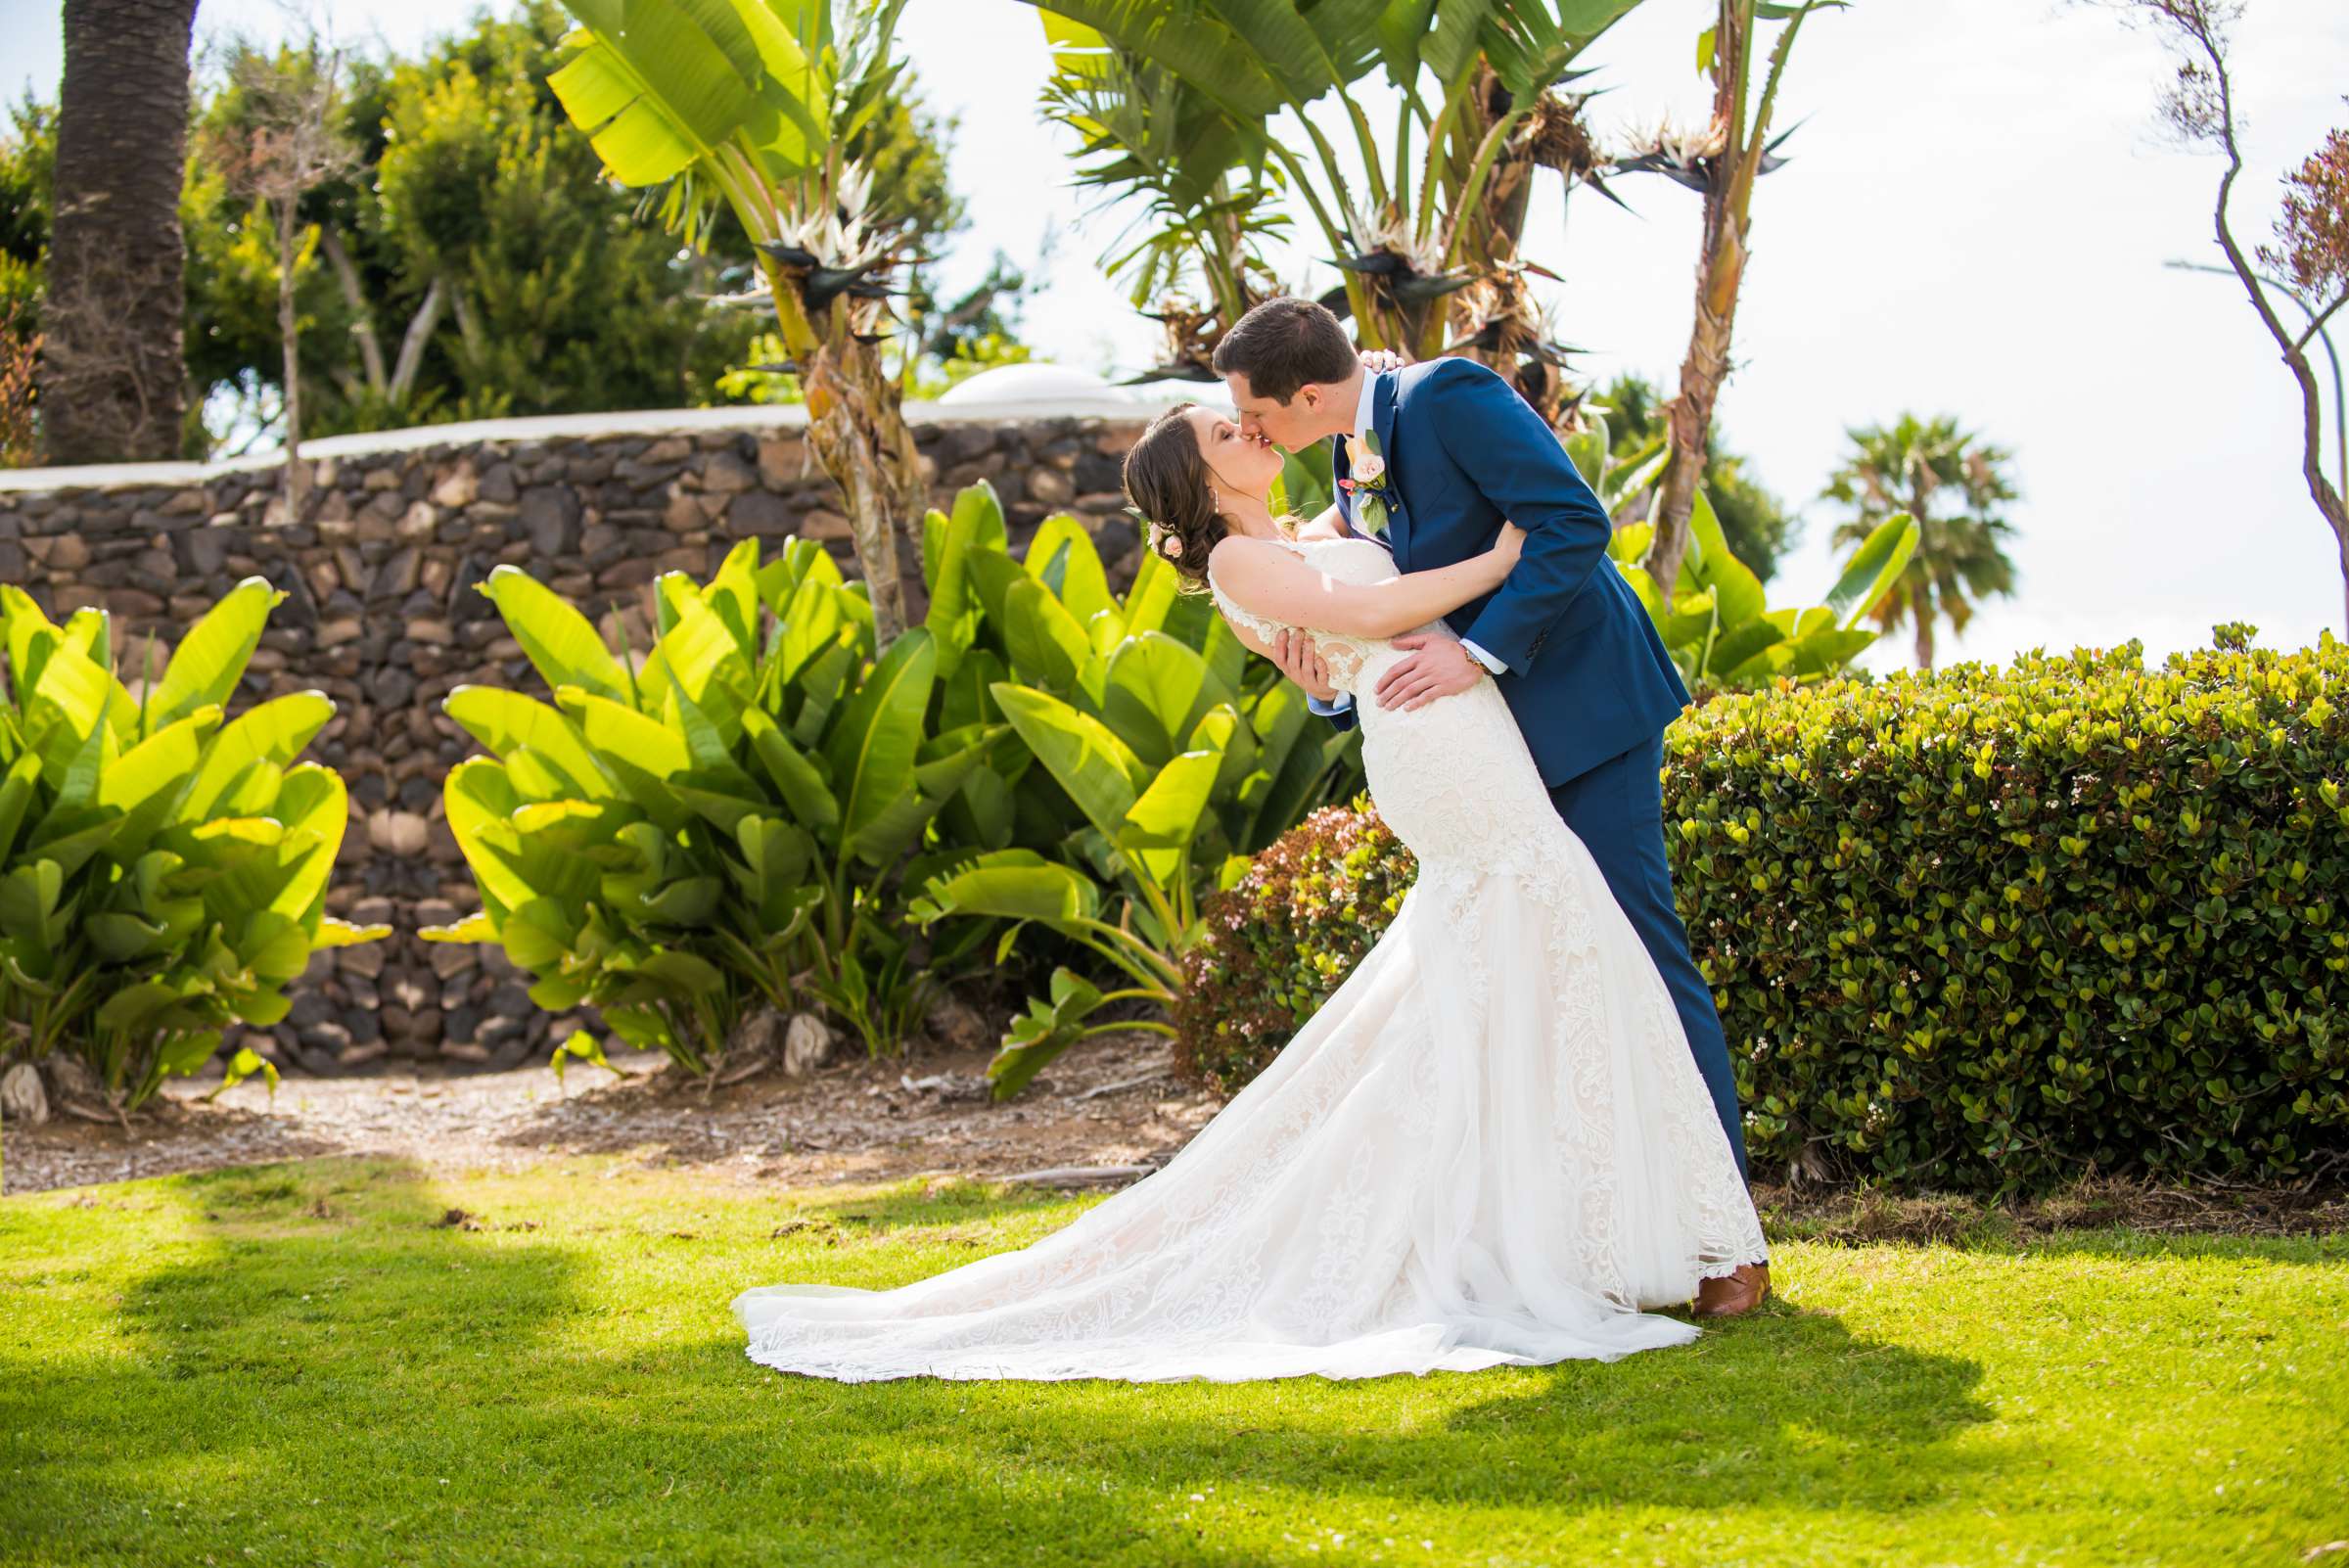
{"x":1863,"y":1218}
{"x":1113,"y":1102}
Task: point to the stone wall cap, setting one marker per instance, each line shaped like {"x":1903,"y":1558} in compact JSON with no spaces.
{"x":1109,"y":405}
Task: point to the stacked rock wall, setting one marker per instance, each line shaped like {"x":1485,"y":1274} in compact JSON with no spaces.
{"x":382,"y":615}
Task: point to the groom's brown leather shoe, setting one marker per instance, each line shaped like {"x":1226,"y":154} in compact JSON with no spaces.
{"x":1732,"y":1294}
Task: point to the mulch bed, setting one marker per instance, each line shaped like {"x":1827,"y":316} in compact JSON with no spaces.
{"x":1113,"y":1102}
{"x":1114,"y":1108}
{"x":1860,"y":1217}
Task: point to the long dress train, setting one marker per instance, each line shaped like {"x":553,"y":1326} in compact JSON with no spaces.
{"x":1490,"y":1146}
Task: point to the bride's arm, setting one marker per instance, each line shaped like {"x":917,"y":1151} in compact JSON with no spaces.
{"x":1267,"y":580}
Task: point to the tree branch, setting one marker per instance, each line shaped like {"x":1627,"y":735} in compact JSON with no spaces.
{"x":411,"y":346}
{"x":371,"y":351}
{"x":2316,"y":322}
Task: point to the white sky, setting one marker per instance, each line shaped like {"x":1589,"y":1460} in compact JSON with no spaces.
{"x":1974,"y":220}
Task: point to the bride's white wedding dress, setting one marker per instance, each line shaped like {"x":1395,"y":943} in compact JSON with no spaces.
{"x":1490,"y":1146}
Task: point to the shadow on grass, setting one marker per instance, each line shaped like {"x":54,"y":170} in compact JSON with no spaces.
{"x":316,"y":1337}
{"x":1783,"y":1405}
{"x":915,"y":1203}
{"x":330,"y":1372}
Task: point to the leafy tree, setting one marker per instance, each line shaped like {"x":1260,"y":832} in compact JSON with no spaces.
{"x":27,"y":176}
{"x":294,"y":143}
{"x":1953,"y":485}
{"x":1755,"y":523}
{"x":2198,"y":107}
{"x":28,"y":158}
{"x":755,"y":109}
{"x":475,"y":261}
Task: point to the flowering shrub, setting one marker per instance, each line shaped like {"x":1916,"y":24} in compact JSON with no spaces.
{"x":1984,"y":928}
{"x":1280,"y":939}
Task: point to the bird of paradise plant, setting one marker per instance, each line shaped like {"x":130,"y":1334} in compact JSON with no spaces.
{"x":753,"y":103}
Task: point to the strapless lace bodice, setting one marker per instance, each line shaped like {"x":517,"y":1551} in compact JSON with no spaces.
{"x":1453,"y":779}
{"x":1351,"y":660}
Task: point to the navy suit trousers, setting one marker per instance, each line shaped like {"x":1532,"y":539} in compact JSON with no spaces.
{"x":1617,"y":810}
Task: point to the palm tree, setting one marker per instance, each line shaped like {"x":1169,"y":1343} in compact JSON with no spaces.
{"x":753,"y":104}
{"x":1960,"y":554}
{"x":1177,"y":98}
{"x":1722,"y":162}
{"x":112,"y":386}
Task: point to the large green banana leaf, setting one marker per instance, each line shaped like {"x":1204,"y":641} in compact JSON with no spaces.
{"x":661,"y":85}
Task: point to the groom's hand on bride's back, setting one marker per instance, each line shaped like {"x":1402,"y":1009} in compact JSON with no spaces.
{"x":1300,"y":659}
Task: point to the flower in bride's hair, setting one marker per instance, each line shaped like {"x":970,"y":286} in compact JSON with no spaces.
{"x":1170,"y":547}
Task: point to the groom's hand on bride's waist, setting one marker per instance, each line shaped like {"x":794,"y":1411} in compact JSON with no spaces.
{"x":1435,"y":666}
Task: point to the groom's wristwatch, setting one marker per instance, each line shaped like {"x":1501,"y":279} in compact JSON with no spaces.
{"x":1481,"y":659}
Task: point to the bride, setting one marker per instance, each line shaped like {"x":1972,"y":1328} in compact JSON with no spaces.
{"x":1492,"y":1144}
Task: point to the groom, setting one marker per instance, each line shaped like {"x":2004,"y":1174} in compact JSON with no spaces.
{"x":1458,"y":453}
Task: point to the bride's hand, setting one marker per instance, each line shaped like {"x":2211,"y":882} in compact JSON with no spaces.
{"x":1378,"y":361}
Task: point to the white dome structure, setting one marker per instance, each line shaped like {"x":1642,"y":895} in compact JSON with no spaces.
{"x":1041,"y":388}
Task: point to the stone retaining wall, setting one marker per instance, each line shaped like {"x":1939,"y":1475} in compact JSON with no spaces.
{"x":382,"y":615}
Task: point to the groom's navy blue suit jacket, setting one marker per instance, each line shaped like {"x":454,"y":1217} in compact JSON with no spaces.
{"x":1587,"y":677}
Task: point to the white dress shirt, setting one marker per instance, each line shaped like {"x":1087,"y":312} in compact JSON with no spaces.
{"x":1362,"y":409}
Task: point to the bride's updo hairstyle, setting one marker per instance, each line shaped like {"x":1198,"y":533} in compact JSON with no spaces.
{"x":1168,"y":482}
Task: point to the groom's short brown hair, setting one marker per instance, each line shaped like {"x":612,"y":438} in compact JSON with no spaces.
{"x":1285,"y":343}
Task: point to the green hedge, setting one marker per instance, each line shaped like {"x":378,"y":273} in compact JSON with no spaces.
{"x":1985,"y":928}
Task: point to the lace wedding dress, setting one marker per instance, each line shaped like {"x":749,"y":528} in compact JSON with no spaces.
{"x":1490,"y":1146}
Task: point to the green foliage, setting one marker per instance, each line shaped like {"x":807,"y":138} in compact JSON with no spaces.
{"x":1719,"y":628}
{"x":1152,"y":751}
{"x":1960,"y":558}
{"x":1192,"y":107}
{"x":1282,"y":937}
{"x":28,"y":178}
{"x":1989,"y":929}
{"x":1757,"y":524}
{"x":681,"y":841}
{"x":162,"y":868}
{"x":728,"y":824}
{"x":555,"y":292}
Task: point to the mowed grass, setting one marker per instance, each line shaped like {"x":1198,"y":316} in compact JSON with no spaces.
{"x":303,"y":1364}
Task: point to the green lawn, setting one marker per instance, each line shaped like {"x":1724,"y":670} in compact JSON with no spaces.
{"x":299,"y":1365}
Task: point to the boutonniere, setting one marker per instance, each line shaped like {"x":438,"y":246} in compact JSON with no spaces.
{"x":1367,"y":482}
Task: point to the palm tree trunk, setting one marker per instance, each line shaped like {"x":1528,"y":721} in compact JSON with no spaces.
{"x":1688,"y":417}
{"x":114,"y":382}
{"x":857,"y":426}
{"x":1924,"y":640}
